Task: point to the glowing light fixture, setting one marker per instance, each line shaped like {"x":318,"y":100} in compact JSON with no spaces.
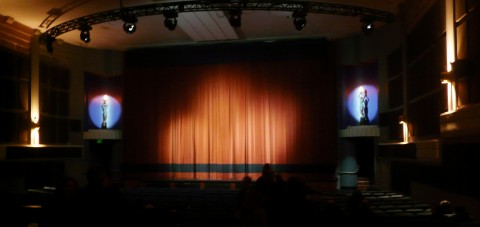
{"x":34,"y":118}
{"x":35,"y":136}
{"x":450,"y":33}
{"x":129,"y":25}
{"x":367,"y":27}
{"x":405,"y":133}
{"x":35,"y":131}
{"x":451,"y":95}
{"x":35,"y":99}
{"x":450,"y":46}
{"x":34,"y":112}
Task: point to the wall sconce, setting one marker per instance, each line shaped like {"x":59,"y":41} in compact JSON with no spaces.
{"x":448,"y":80}
{"x":35,"y":132}
{"x":35,"y":137}
{"x":405,"y":132}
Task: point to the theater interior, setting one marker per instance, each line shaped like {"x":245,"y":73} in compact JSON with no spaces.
{"x":239,"y":113}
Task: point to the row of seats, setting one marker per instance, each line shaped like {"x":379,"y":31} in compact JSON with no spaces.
{"x":217,"y":207}
{"x":183,"y":206}
{"x":389,"y":208}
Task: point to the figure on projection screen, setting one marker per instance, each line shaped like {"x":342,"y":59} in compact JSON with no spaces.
{"x":363,"y":99}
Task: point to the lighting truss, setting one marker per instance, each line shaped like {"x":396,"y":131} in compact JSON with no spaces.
{"x":218,"y":5}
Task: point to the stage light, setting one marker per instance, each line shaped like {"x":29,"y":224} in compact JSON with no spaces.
{"x":299,"y":20}
{"x":170,"y":20}
{"x":299,"y":23}
{"x":85,"y":32}
{"x":235,"y":18}
{"x":85,"y":36}
{"x":367,"y":26}
{"x":129,"y":25}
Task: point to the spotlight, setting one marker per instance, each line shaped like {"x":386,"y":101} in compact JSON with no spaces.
{"x":85,"y":36}
{"x":235,"y":18}
{"x":85,"y":32}
{"x":299,"y":20}
{"x":170,"y":19}
{"x":129,"y":25}
{"x":368,"y":26}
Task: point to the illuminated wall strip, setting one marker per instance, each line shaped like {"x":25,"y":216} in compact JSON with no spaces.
{"x":405,"y":131}
{"x":451,"y":96}
{"x":34,"y":92}
{"x":451,"y":54}
{"x":35,"y":136}
{"x":450,"y":33}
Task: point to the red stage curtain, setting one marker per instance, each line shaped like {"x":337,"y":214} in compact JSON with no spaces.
{"x":214,"y":121}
